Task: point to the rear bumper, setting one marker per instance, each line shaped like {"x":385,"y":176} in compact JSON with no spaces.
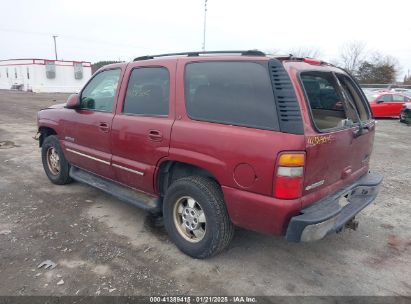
{"x":333,"y":212}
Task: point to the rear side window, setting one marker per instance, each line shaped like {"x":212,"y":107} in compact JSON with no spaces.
{"x":147,"y":92}
{"x":398,"y":98}
{"x":234,"y":93}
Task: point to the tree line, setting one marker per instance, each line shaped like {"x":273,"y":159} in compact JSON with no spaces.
{"x":369,"y":67}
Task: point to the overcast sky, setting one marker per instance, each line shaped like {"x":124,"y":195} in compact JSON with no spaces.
{"x":113,"y":30}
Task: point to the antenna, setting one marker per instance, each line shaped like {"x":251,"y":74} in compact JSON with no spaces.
{"x":55,"y":45}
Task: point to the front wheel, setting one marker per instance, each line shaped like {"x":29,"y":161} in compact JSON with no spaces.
{"x":54,"y":163}
{"x":196,"y":217}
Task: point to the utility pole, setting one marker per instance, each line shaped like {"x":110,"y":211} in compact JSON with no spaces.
{"x":205,"y":19}
{"x":55,"y":45}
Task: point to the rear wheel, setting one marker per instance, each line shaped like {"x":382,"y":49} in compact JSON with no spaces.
{"x":196,"y":217}
{"x":54,"y":163}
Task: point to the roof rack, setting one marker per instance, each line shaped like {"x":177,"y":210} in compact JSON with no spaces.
{"x":192,"y":54}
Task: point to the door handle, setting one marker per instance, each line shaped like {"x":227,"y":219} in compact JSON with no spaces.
{"x":155,"y":135}
{"x":104,"y":127}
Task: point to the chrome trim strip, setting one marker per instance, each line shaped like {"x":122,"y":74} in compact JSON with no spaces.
{"x":128,"y":169}
{"x":88,"y":156}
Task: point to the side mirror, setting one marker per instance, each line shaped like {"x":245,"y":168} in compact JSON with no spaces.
{"x":380,"y":101}
{"x":73,"y":102}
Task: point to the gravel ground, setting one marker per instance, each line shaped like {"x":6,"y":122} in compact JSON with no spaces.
{"x":104,"y":247}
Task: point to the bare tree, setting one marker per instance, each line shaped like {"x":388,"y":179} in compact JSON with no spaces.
{"x":310,"y":52}
{"x":352,"y":54}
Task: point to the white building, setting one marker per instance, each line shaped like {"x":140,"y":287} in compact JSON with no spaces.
{"x":43,"y":75}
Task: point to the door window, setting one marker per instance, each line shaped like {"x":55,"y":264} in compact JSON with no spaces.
{"x":398,"y":98}
{"x":385,"y":98}
{"x":100,"y":92}
{"x":147,"y":92}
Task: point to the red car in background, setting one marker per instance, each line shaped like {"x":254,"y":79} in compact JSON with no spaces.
{"x":387,"y":104}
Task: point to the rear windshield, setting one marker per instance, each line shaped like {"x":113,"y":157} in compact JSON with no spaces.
{"x":228,"y":92}
{"x":334,"y":100}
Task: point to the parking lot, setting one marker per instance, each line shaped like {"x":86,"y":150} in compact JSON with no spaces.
{"x":104,"y":247}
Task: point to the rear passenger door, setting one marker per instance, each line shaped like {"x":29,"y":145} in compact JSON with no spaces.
{"x":141,"y":129}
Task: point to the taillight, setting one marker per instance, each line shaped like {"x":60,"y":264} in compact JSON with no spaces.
{"x":288,"y":181}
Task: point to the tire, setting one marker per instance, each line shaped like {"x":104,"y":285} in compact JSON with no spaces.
{"x":215,"y":233}
{"x":54,"y":163}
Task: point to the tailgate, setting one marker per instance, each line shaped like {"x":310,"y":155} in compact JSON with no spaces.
{"x":336,"y":158}
{"x":340,"y":142}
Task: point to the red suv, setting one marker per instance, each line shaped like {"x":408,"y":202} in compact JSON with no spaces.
{"x":209,"y":140}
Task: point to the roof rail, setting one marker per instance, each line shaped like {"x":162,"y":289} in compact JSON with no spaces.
{"x":192,"y":54}
{"x":288,"y":57}
{"x":306,"y":59}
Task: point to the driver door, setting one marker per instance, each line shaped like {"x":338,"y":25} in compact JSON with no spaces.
{"x":87,"y":130}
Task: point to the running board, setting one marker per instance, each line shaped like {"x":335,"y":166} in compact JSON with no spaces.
{"x":123,"y":193}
